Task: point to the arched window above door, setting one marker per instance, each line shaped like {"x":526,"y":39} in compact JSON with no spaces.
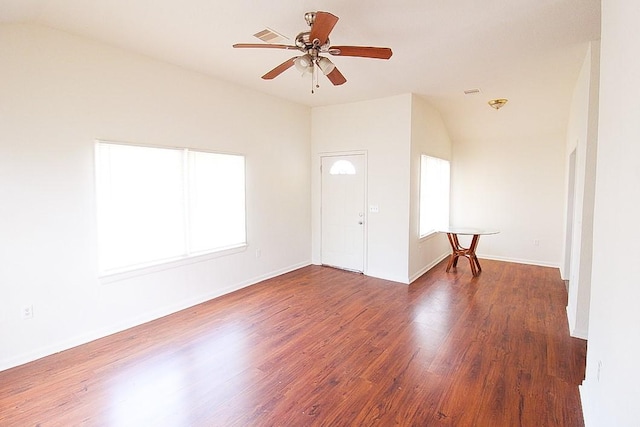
{"x":342,"y":167}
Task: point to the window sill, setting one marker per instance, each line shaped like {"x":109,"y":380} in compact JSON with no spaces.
{"x":428,"y":236}
{"x":110,"y":276}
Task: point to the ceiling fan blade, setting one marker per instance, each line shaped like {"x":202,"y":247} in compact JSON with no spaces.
{"x":361,"y":51}
{"x":280,"y":69}
{"x":336,"y":77}
{"x":322,"y":26}
{"x":264,"y":46}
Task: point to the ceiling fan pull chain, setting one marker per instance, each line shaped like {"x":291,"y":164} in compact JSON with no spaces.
{"x":314,"y":76}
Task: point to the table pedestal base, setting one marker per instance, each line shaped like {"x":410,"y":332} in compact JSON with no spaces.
{"x":470,"y":253}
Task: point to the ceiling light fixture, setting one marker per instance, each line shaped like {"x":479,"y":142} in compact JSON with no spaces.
{"x":310,"y":63}
{"x":325,"y":65}
{"x":498,"y":103}
{"x":304,"y":64}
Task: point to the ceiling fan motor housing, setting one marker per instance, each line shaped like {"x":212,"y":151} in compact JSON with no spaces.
{"x":304,"y":42}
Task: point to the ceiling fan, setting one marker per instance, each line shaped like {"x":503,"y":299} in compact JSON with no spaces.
{"x":313,"y":44}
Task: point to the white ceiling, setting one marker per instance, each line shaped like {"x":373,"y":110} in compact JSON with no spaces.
{"x":529,"y":51}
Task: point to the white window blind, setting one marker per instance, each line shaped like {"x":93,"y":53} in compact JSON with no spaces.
{"x":434,"y":194}
{"x":162,"y":204}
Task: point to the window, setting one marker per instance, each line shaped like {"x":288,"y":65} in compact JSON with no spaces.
{"x":162,"y":204}
{"x":342,"y":167}
{"x":434,"y":194}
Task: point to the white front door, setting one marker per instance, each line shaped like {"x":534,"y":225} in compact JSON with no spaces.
{"x":342,"y":211}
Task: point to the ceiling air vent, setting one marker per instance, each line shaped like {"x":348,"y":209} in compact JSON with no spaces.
{"x":270,"y":36}
{"x":471,"y":91}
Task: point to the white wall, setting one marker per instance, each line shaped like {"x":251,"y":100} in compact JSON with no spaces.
{"x":582,"y":138}
{"x":611,"y":391}
{"x":58,"y":93}
{"x":382,"y":128}
{"x":515,"y":185}
{"x":428,"y":136}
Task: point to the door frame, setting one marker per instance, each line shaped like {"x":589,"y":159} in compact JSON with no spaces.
{"x":366,"y":200}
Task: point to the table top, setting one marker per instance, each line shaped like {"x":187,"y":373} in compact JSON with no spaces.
{"x":467,"y":231}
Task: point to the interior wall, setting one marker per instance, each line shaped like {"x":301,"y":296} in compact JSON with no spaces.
{"x":428,"y":136}
{"x":515,"y":185}
{"x":582,"y":139}
{"x":381,"y":128}
{"x":610,"y":392}
{"x":58,"y":93}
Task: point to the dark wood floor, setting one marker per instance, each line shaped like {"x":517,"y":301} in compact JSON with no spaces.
{"x":324,"y":347}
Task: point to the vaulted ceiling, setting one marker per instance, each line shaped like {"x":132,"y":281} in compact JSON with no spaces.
{"x":529,"y":51}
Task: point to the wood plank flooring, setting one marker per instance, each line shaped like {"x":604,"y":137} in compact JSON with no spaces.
{"x":323,"y":347}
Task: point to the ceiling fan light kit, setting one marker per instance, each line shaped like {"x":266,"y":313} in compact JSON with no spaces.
{"x":312,"y":44}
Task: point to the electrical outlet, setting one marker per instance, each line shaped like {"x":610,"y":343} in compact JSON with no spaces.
{"x":258,"y":253}
{"x":536,"y":242}
{"x":27,"y":312}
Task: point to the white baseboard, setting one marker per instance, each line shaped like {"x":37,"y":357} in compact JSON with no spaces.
{"x":402,"y":280}
{"x":519,"y":261}
{"x":573,"y":331}
{"x":428,"y":267}
{"x":580,"y":333}
{"x":39,"y":353}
